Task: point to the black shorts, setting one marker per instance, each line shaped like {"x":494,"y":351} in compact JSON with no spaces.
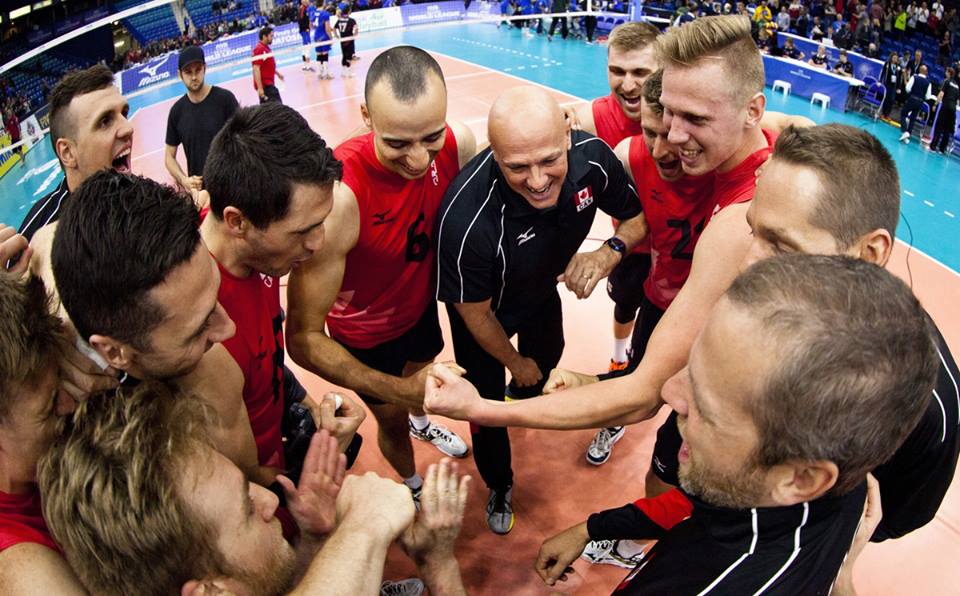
{"x":271,"y":93}
{"x":421,"y":343}
{"x":665,"y":462}
{"x":625,"y":283}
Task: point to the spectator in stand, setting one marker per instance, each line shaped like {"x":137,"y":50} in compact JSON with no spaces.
{"x":892,"y":78}
{"x":872,"y":51}
{"x":819,"y":60}
{"x":12,"y":124}
{"x":913,"y":66}
{"x":862,"y":34}
{"x":947,"y":119}
{"x":762,"y":14}
{"x":783,"y":18}
{"x":843,"y":66}
{"x":802,"y":26}
{"x":946,"y":49}
{"x":794,"y":11}
{"x":912,"y":18}
{"x":922,"y":16}
{"x":900,"y":24}
{"x":791,"y":51}
{"x":816,"y":30}
{"x":843,"y":38}
{"x":829,"y":16}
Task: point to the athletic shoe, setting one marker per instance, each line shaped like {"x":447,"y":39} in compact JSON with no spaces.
{"x":500,"y":516}
{"x":615,"y":365}
{"x":442,"y":438}
{"x":905,"y":137}
{"x":604,"y":552}
{"x":404,"y":587}
{"x":602,"y":444}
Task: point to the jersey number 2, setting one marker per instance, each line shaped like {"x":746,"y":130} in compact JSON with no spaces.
{"x":418,"y":243}
{"x":680,"y":248}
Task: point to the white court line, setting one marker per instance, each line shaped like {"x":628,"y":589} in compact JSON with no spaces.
{"x":908,"y":193}
{"x":928,"y":203}
{"x":948,"y":214}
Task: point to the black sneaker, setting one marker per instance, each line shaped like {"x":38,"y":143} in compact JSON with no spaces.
{"x":500,"y":516}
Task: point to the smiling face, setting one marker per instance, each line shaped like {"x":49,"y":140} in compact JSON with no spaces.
{"x":665,"y":156}
{"x":286,"y":243}
{"x":100,"y":136}
{"x":407,"y":135}
{"x":627,"y":70}
{"x":704,"y":117}
{"x":727,"y":365}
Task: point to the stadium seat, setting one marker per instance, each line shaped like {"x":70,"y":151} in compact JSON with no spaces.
{"x":822,"y":98}
{"x":782,"y":86}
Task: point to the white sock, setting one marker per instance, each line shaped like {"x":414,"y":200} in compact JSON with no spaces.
{"x":628,"y":548}
{"x":420,"y":422}
{"x":414,"y":482}
{"x":620,"y":347}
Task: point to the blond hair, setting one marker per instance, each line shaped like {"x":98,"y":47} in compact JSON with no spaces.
{"x":28,"y":337}
{"x":725,"y":37}
{"x":652,"y":88}
{"x":634,"y":35}
{"x":110,"y":498}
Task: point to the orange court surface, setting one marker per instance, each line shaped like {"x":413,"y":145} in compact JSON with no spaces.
{"x":554,"y":486}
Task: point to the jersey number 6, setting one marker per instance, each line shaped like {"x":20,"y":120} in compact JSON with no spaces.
{"x":418,"y":243}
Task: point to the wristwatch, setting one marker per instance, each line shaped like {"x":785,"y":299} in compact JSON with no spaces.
{"x":617,"y":245}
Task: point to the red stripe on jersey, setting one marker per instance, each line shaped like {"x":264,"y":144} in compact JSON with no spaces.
{"x":666,"y":510}
{"x":389,"y":277}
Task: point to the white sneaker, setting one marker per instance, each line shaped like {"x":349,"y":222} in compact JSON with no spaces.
{"x":601,"y":447}
{"x":441,"y":437}
{"x":604,"y":552}
{"x":905,"y":137}
{"x":404,"y":587}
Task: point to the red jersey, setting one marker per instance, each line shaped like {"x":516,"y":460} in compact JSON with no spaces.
{"x":389,"y":276}
{"x":676,"y":214}
{"x":268,"y":66}
{"x":21,"y":521}
{"x":613,"y":126}
{"x":739,"y":184}
{"x":254,"y":305}
{"x":611,"y":123}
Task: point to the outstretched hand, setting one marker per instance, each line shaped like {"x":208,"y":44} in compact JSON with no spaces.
{"x":313,"y":503}
{"x":442,"y":503}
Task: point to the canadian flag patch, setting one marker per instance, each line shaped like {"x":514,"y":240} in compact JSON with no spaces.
{"x":584,"y":198}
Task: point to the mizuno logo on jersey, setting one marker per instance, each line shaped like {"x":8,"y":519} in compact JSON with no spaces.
{"x":584,"y":198}
{"x":528,"y":235}
{"x":380,"y":219}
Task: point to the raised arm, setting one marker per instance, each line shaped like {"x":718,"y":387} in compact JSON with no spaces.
{"x":311,"y":293}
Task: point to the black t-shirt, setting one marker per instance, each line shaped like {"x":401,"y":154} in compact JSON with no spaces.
{"x":771,"y":550}
{"x":914,"y":481}
{"x":951,"y":93}
{"x":45,"y":211}
{"x":492,"y":244}
{"x":846,"y":67}
{"x":195,"y":124}
{"x":818,"y":59}
{"x":792,"y":53}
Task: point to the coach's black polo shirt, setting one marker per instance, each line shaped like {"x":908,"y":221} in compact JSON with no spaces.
{"x":914,"y":481}
{"x":773,"y":550}
{"x":492,"y":244}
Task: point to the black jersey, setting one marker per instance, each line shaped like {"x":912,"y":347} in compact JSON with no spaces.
{"x":346,"y":27}
{"x":769,"y":550}
{"x":492,"y":244}
{"x":45,"y":211}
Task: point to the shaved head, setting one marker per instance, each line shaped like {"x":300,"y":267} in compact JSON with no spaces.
{"x":530,"y":138}
{"x":524,"y":111}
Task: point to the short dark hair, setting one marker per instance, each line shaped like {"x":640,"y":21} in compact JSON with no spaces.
{"x":28,"y":336}
{"x":405,"y":69}
{"x":857,"y":361}
{"x":257,"y":157}
{"x":265,"y":31}
{"x":652,"y":88}
{"x":118,"y":238}
{"x":73,"y":84}
{"x":860,"y":185}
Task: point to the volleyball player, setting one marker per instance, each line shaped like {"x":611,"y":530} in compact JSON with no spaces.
{"x":371,"y":285}
{"x":323,"y":32}
{"x":347,"y":27}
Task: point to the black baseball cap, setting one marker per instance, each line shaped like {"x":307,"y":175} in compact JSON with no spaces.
{"x":189,"y":55}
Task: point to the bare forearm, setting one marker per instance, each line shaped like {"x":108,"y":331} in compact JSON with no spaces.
{"x":325,"y":357}
{"x":256,"y":80}
{"x":173,"y":167}
{"x":351,"y":562}
{"x":489,"y":334}
{"x":442,"y":576}
{"x":632,"y":231}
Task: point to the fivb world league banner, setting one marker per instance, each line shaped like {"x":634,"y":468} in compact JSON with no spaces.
{"x":237,"y":47}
